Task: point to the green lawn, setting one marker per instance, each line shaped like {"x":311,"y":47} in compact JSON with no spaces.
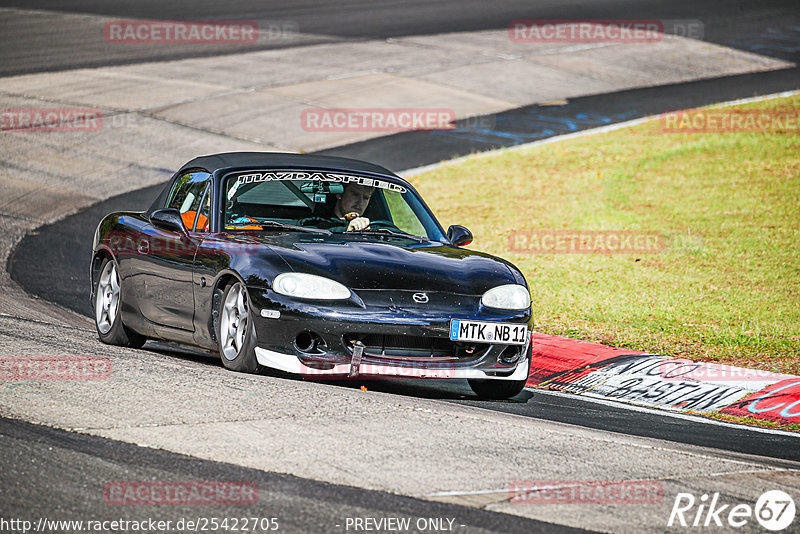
{"x":727,"y":205}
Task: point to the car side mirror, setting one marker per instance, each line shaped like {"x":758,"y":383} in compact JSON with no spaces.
{"x":168,"y":219}
{"x":459,"y":236}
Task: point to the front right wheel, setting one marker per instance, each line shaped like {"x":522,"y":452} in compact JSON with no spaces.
{"x":237,"y":333}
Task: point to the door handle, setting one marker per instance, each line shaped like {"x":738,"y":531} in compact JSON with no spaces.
{"x":144,"y":246}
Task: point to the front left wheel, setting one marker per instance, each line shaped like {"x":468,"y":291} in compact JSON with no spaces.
{"x":107,"y":300}
{"x":496,"y":389}
{"x":500,"y":389}
{"x":237,"y":333}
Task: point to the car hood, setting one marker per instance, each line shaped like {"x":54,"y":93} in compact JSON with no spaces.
{"x":362,"y":262}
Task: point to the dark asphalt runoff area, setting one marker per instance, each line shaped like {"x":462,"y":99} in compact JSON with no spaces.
{"x":70,"y":476}
{"x":53,"y":261}
{"x":43,"y":43}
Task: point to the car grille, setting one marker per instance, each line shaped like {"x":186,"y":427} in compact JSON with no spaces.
{"x":415,"y":348}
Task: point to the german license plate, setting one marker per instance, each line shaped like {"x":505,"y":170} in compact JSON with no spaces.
{"x":502,"y":333}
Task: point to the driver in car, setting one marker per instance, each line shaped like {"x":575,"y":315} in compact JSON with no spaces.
{"x":347,"y":212}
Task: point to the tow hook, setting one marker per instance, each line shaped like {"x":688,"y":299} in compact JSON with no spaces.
{"x":355,"y":362}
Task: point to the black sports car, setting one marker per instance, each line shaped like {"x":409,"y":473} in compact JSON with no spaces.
{"x":313,"y":265}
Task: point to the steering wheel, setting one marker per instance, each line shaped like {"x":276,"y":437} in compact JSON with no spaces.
{"x":382,"y":222}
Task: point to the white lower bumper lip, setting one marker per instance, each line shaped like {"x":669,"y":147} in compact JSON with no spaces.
{"x":290,"y":363}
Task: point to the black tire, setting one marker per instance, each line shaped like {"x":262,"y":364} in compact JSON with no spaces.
{"x":500,"y":389}
{"x":496,"y":389}
{"x":237,"y":356}
{"x":109,"y":325}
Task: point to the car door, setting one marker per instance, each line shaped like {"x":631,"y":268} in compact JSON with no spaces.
{"x":166,"y":257}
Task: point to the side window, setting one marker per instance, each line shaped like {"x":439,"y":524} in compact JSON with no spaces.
{"x":186,"y":195}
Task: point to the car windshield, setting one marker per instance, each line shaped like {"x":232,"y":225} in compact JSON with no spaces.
{"x":327,"y":202}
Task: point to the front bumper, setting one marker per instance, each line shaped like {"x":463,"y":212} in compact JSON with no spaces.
{"x":401,"y":340}
{"x":292,"y":364}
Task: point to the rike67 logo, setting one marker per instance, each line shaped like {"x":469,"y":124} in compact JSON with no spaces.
{"x":774,"y":510}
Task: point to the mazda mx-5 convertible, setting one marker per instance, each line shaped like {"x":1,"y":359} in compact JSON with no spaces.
{"x":317,"y":266}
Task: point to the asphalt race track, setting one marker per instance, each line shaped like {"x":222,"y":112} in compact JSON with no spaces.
{"x":52,"y":262}
{"x":36,"y":47}
{"x":299,"y":504}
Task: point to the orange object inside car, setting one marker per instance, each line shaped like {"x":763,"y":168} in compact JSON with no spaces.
{"x":188,"y":221}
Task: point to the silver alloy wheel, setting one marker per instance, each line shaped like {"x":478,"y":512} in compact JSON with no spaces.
{"x":106,"y":301}
{"x":234,"y":322}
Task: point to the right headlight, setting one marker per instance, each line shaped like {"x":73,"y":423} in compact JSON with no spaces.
{"x":507,"y":297}
{"x":309,"y":286}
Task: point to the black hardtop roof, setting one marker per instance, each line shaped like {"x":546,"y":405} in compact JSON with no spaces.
{"x":231,"y":160}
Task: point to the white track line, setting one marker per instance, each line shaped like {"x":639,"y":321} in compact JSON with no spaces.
{"x":667,"y":413}
{"x":576,"y":483}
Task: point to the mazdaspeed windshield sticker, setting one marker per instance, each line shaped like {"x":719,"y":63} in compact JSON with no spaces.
{"x":323,"y":176}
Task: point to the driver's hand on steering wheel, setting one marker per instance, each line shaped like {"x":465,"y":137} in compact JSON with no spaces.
{"x":359,"y":223}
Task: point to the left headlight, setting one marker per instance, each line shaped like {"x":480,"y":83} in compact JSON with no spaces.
{"x":507,"y":297}
{"x":309,"y":286}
